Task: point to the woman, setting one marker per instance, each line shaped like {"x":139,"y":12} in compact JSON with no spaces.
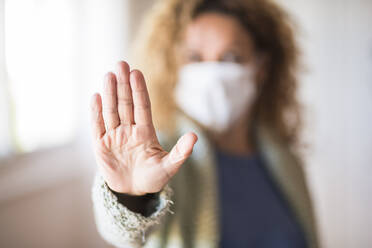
{"x":224,"y":70}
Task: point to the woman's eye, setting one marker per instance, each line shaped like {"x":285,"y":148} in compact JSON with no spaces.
{"x":193,"y":57}
{"x":231,"y":57}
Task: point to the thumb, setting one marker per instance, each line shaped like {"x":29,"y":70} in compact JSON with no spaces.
{"x":180,"y":152}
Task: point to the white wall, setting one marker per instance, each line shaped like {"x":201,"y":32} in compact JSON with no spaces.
{"x":337,"y":90}
{"x":5,"y":144}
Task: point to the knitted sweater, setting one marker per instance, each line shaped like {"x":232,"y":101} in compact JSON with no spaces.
{"x":187,"y":212}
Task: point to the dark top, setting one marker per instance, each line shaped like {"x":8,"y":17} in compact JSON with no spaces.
{"x":252,"y":211}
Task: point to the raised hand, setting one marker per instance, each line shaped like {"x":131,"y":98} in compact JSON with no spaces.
{"x":127,"y":150}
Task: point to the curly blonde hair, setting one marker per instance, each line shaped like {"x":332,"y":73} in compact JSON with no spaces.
{"x":158,"y":47}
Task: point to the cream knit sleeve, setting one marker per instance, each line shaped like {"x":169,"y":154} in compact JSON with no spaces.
{"x":117,"y":224}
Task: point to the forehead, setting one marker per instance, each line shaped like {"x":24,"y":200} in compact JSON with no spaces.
{"x":218,"y":31}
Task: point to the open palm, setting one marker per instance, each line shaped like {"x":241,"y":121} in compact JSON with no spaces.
{"x":127,"y":150}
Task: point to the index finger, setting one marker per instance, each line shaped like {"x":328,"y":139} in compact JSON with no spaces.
{"x":141,"y":99}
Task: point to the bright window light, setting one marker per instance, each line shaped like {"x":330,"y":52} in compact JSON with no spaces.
{"x":41,"y":61}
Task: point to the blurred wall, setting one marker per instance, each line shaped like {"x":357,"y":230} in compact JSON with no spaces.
{"x":5,"y":143}
{"x":337,"y":91}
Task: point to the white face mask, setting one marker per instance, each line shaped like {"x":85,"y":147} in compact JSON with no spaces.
{"x":215,"y":94}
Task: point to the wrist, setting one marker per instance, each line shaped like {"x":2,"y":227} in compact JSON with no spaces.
{"x":144,"y":204}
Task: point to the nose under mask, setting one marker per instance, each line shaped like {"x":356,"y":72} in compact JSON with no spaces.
{"x":215,"y":94}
